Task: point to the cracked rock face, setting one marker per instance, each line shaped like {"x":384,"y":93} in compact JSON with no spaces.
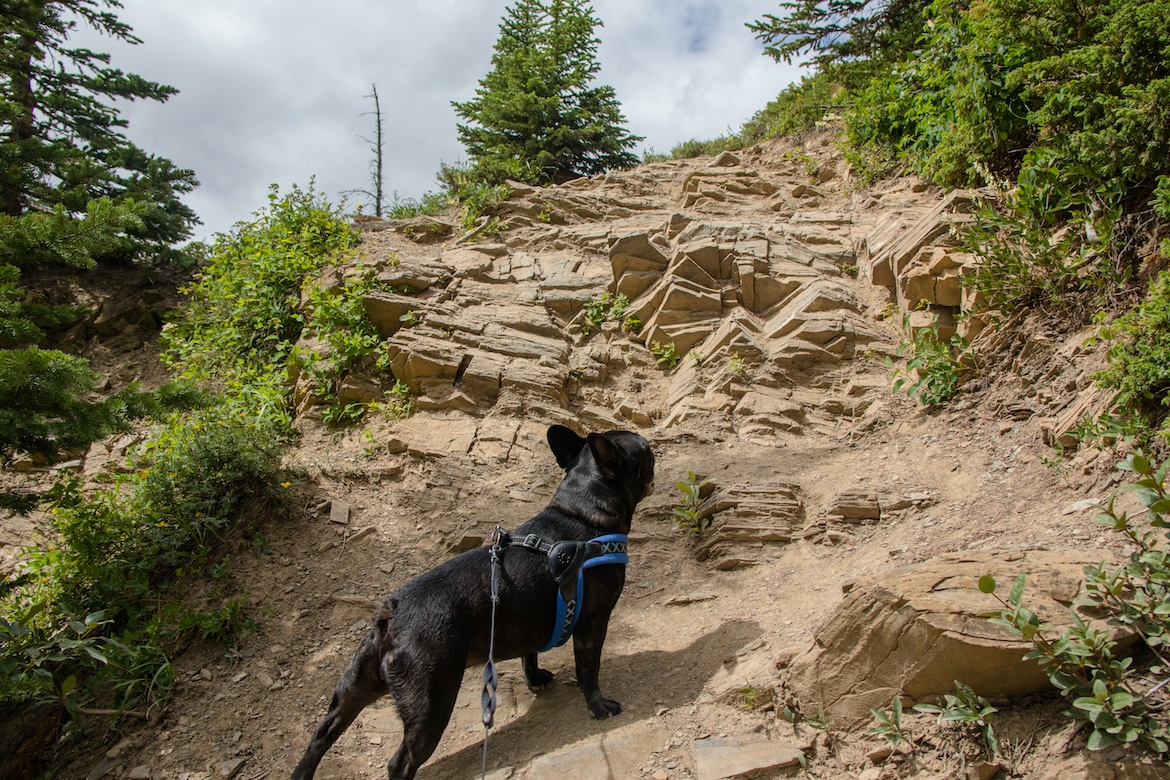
{"x":735,"y":290}
{"x":913,"y":631}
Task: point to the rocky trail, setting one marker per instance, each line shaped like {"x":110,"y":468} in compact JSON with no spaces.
{"x":780,"y":286}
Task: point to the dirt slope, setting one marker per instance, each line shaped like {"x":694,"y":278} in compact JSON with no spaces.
{"x":748,"y":258}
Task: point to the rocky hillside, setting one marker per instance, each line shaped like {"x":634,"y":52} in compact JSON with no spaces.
{"x":737,"y":312}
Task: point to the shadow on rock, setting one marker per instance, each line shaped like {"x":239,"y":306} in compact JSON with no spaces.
{"x":642,"y":682}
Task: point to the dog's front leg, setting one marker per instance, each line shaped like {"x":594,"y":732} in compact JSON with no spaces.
{"x":538,"y":679}
{"x":588,"y":640}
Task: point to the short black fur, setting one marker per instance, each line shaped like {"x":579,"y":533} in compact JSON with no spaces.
{"x":437,"y":625}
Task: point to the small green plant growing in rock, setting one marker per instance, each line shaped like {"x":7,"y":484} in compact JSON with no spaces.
{"x":606,"y":307}
{"x":686,"y":512}
{"x":696,"y":356}
{"x":931,"y":373}
{"x":967,"y":708}
{"x":665,"y":353}
{"x":738,"y":366}
{"x":1118,"y":703}
{"x":336,"y":414}
{"x":408,"y":319}
{"x":546,"y":213}
{"x":889,"y":724}
{"x":399,"y":403}
{"x":632,"y":324}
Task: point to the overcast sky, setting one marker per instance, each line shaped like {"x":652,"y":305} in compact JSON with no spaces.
{"x":271,"y":91}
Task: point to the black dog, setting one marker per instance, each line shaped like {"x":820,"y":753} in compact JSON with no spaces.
{"x":438,"y":624}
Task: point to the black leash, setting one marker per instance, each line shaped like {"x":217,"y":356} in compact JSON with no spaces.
{"x":490,"y":677}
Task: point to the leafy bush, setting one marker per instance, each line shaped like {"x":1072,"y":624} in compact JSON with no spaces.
{"x":697,"y":148}
{"x":932,"y":372}
{"x":611,"y":308}
{"x":431,"y":204}
{"x":1034,"y":246}
{"x":799,"y":107}
{"x":125,"y":554}
{"x":482,"y":187}
{"x":966,"y":708}
{"x":1139,"y":358}
{"x":1119,"y":703}
{"x":245,"y":312}
{"x":889,"y":724}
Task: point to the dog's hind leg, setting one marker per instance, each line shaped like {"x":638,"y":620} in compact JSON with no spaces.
{"x":361,"y":684}
{"x":538,"y":679}
{"x":425,"y":695}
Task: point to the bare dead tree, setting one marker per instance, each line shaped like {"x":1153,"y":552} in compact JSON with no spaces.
{"x":376,"y":146}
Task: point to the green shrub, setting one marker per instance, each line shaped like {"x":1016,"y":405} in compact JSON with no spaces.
{"x":1118,"y":702}
{"x":244,"y":314}
{"x":709,"y":148}
{"x":431,"y":204}
{"x":126,"y":554}
{"x":1032,"y":246}
{"x":966,"y":708}
{"x":931,"y":373}
{"x":798,"y":108}
{"x":1139,"y":358}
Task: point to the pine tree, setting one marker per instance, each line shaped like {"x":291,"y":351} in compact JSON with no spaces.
{"x":61,"y":142}
{"x":535,"y":111}
{"x":74,"y":191}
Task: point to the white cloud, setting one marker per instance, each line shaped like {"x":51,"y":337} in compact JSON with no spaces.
{"x":272,"y":91}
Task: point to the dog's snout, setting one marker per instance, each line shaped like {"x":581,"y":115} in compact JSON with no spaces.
{"x":650,"y":489}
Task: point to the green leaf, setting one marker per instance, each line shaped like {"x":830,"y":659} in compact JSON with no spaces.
{"x":1099,"y":740}
{"x":987,"y":584}
{"x":1017,"y":591}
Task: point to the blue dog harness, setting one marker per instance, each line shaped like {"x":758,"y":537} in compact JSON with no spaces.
{"x":568,"y":561}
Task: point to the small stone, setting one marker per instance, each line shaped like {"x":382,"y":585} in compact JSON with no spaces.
{"x":1080,"y":506}
{"x":239,"y":678}
{"x":229,"y":769}
{"x":880,"y":754}
{"x":661,"y":711}
{"x":101,"y":769}
{"x":140,"y":772}
{"x":873,"y":773}
{"x":117,"y":749}
{"x":678,"y":601}
{"x":339,"y":512}
{"x":206,"y":674}
{"x":661,"y":775}
{"x":265,"y":679}
{"x":362,"y":534}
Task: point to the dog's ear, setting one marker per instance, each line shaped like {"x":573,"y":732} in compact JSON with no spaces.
{"x":608,"y":457}
{"x":565,"y":444}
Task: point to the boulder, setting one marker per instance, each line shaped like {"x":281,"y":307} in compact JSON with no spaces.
{"x":913,"y":631}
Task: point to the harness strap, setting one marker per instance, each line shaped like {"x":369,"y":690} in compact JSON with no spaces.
{"x":608,"y":549}
{"x":568,"y":561}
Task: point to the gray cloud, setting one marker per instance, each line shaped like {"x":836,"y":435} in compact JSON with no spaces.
{"x":271,"y":91}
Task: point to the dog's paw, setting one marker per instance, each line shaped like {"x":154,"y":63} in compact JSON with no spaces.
{"x":604,"y":708}
{"x":538,"y":679}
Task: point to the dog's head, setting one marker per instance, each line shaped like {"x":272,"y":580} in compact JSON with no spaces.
{"x":607,"y":474}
